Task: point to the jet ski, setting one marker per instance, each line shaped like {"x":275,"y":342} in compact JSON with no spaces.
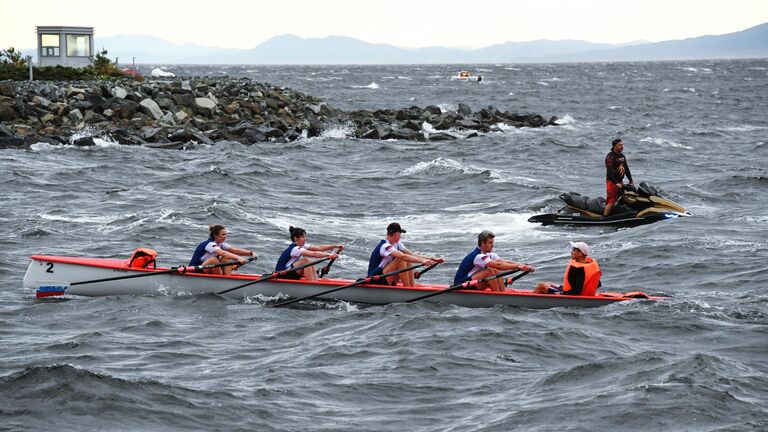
{"x":636,"y":206}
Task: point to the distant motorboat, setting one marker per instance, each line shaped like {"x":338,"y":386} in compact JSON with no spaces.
{"x":466,"y":76}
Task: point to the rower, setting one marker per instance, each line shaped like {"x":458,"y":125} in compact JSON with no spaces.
{"x":294,"y":255}
{"x":482,"y":262}
{"x":582,"y":275}
{"x":391,"y":255}
{"x":216,"y":250}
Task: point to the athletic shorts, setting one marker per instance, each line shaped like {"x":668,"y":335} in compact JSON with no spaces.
{"x":293,"y":274}
{"x":611,"y":192}
{"x":379,"y":281}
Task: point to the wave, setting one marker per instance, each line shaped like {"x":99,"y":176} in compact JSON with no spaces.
{"x":665,"y":143}
{"x":372,"y":86}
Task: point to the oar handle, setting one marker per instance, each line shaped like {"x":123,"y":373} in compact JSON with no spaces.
{"x":419,"y":273}
{"x":508,"y":281}
{"x":272,"y":276}
{"x":324,"y":271}
{"x":367,"y":279}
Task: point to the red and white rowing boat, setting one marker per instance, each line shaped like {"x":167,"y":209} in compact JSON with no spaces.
{"x":58,"y":275}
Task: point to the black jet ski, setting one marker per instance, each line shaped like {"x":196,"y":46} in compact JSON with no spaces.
{"x":636,"y":206}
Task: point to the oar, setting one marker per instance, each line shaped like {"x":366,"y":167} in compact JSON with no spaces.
{"x":419,"y":273}
{"x":178,"y":269}
{"x":357,"y":282}
{"x":273,"y":275}
{"x":466,"y":284}
{"x":324,"y":271}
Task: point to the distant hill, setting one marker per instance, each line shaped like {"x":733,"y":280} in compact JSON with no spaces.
{"x":290,"y":49}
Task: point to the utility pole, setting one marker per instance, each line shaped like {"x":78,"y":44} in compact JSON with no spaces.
{"x":117,"y":62}
{"x":134,"y":68}
{"x":29,"y":63}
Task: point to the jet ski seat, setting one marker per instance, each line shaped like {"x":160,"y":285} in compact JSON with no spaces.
{"x":594,"y":205}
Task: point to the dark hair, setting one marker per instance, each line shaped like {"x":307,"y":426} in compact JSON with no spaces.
{"x":616,"y":141}
{"x":214,"y":230}
{"x":484,"y":237}
{"x":296,"y":232}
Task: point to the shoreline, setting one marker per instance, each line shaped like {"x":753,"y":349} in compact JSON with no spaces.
{"x":173,"y":113}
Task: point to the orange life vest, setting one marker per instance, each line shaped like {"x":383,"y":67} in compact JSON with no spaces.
{"x":142,"y":258}
{"x":592,"y":275}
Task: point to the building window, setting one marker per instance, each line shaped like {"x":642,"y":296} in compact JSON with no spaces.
{"x":78,"y":45}
{"x":50,"y":45}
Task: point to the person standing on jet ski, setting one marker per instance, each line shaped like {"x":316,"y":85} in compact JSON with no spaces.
{"x":615,"y":169}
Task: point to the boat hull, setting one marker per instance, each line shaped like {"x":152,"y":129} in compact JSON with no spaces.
{"x":54,"y":275}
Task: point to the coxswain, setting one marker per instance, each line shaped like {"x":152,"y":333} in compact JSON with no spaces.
{"x":582,"y":275}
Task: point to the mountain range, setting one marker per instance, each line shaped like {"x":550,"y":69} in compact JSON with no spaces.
{"x":290,"y":49}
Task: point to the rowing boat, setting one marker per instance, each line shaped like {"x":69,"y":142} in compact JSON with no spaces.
{"x":53,"y":276}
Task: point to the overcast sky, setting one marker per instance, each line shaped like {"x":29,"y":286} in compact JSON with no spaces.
{"x":403,"y":23}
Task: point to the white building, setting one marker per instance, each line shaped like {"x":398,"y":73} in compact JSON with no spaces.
{"x":65,"y":46}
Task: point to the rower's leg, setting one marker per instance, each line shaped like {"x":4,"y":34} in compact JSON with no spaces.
{"x":307,"y":272}
{"x":215,"y":270}
{"x":395,"y":265}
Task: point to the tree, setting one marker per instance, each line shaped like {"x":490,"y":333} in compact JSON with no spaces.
{"x":102,"y":64}
{"x":13,"y":58}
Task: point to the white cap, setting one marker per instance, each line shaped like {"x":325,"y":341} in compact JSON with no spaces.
{"x":580,"y":246}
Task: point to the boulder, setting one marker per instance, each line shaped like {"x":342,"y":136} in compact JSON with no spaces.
{"x":205,"y":106}
{"x":7,"y":89}
{"x":464,"y":109}
{"x":75,"y":116}
{"x":119,"y":92}
{"x":84,"y":142}
{"x":150,"y":108}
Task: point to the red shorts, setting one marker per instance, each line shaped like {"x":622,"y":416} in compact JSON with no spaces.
{"x":612,"y":192}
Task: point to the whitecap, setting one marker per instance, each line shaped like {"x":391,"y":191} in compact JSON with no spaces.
{"x":345,"y":130}
{"x":372,"y":86}
{"x":665,"y":143}
{"x":542,"y":83}
{"x":565,"y":120}
{"x":405,"y":78}
{"x":689,"y":89}
{"x":744,"y":128}
{"x":446,"y":107}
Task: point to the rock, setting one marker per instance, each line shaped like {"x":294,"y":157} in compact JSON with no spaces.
{"x":108,"y":113}
{"x":7,"y":113}
{"x":189,"y":135}
{"x":464,"y":110}
{"x":7,"y":89}
{"x":119,"y":92}
{"x":91,"y":117}
{"x":75,"y":92}
{"x":84,"y":142}
{"x":434,"y":110}
{"x":181,"y":116}
{"x":75,"y":116}
{"x":440,"y":137}
{"x":167,"y":119}
{"x":150,"y":108}
{"x":205,"y":106}
{"x":412,"y":126}
{"x":124,"y":108}
{"x":43,"y":102}
{"x":46,"y":118}
{"x":11,"y":142}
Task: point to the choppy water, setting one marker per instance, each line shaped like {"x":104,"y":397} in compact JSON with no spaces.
{"x":696,"y":361}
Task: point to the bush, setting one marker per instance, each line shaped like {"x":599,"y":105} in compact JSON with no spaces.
{"x":14,"y":67}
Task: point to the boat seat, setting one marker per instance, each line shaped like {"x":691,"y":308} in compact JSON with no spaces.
{"x":595,"y":205}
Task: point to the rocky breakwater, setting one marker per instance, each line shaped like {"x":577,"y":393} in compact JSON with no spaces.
{"x":179,"y":112}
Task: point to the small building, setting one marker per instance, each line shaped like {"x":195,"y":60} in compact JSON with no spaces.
{"x":65,"y":46}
